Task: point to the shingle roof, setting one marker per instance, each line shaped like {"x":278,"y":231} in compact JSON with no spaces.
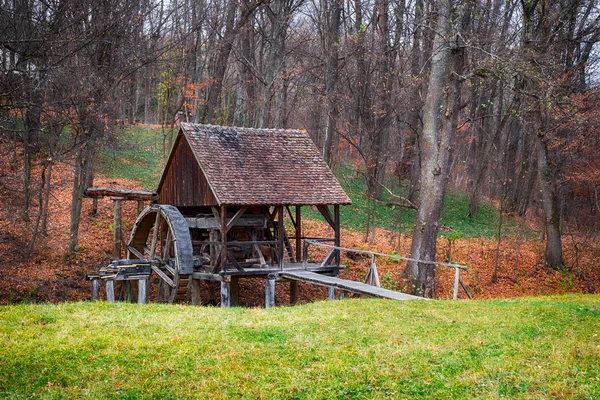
{"x":247,"y":166}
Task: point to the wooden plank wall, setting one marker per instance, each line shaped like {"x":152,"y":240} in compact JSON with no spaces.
{"x":184,"y":183}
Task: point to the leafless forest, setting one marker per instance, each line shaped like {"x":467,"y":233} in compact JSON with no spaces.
{"x":498,"y":98}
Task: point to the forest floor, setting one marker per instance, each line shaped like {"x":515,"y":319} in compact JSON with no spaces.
{"x":48,"y":274}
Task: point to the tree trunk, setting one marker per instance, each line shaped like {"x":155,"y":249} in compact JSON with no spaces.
{"x":333,"y":17}
{"x":440,"y":119}
{"x":553,"y":253}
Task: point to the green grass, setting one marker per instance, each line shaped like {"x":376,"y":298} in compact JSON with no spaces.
{"x":138,"y":156}
{"x":535,"y":348}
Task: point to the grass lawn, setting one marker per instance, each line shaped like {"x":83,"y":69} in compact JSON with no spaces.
{"x":535,"y":348}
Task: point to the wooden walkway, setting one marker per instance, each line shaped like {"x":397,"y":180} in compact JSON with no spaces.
{"x":346,"y":285}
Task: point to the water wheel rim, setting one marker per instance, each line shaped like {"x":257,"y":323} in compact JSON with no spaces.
{"x":150,"y":221}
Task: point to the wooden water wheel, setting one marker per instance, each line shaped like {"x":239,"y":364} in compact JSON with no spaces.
{"x":162,"y":237}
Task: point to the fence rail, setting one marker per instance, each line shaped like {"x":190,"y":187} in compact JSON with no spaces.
{"x":372,"y":275}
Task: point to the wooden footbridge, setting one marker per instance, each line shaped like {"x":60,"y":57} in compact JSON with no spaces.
{"x":218,"y":217}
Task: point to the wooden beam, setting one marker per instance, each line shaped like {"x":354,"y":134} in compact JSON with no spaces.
{"x":231,"y":258}
{"x":234,"y":300}
{"x":126,"y":194}
{"x":293,"y":292}
{"x":298,"y":233}
{"x":223,"y":239}
{"x":270,"y":291}
{"x":225,"y":294}
{"x":117,"y":233}
{"x":291,"y":216}
{"x":336,"y":228}
{"x":280,"y":236}
{"x":237,"y":216}
{"x":196,"y":298}
{"x":95,"y":289}
{"x":142,"y":291}
{"x":110,"y":290}
{"x":326,"y":213}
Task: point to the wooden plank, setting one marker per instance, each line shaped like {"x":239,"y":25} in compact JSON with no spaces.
{"x":126,"y":194}
{"x":212,"y":223}
{"x":344,"y":284}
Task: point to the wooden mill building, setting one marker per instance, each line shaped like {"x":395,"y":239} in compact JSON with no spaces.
{"x":238,"y":189}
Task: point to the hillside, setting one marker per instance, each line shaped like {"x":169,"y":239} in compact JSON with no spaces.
{"x":535,"y":348}
{"x":47,"y":274}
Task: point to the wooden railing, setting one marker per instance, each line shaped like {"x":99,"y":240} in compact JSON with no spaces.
{"x":372,"y":277}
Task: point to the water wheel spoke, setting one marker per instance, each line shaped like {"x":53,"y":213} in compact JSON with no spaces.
{"x":155,"y":234}
{"x":163,"y":276}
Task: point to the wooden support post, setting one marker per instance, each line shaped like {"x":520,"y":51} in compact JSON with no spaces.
{"x":196,"y":299}
{"x":331,"y":293}
{"x":234,"y":300}
{"x":142,"y":291}
{"x":110,"y":291}
{"x":225,"y":293}
{"x":280,"y":236}
{"x":224,"y":242}
{"x":298,"y":232}
{"x":117,"y":237}
{"x":456,"y":281}
{"x":94,"y":206}
{"x":140,"y":206}
{"x":293,"y":292}
{"x":126,"y":291}
{"x":95,"y":289}
{"x":336,"y":220}
{"x":211,"y":293}
{"x":270,"y":291}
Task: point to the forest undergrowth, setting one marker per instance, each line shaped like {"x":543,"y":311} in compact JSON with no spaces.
{"x":48,"y":274}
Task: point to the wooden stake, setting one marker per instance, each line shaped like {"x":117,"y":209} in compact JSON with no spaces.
{"x":142,"y":291}
{"x":117,"y":237}
{"x":235,"y":292}
{"x":270,"y":291}
{"x":225,"y":294}
{"x":331,"y":293}
{"x":196,"y":299}
{"x":95,"y":289}
{"x":110,"y":291}
{"x":456,"y":280}
{"x":293,"y":292}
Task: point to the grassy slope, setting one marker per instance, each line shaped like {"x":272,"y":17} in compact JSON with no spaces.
{"x":138,"y":157}
{"x":529,"y":348}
